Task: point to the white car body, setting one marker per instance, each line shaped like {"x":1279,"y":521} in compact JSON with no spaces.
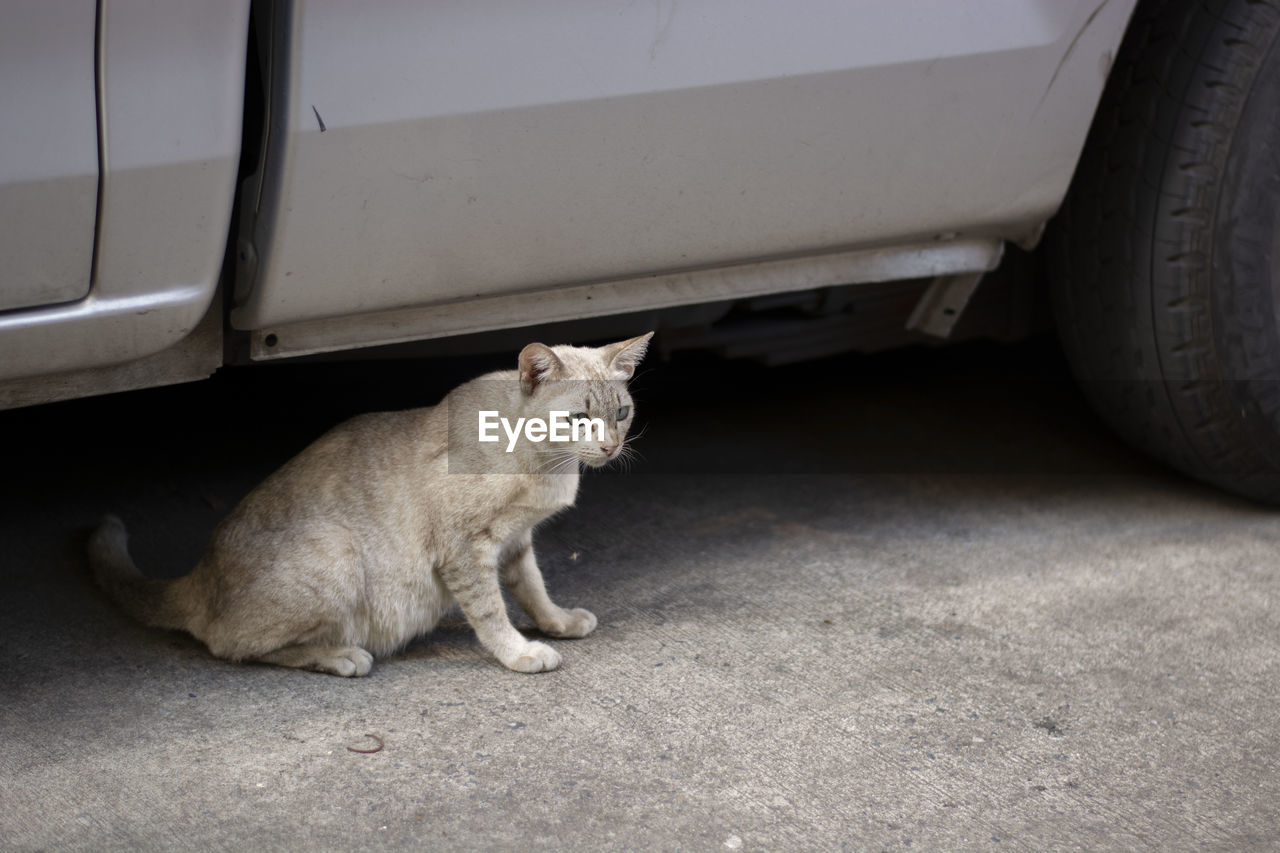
{"x":434,"y":169}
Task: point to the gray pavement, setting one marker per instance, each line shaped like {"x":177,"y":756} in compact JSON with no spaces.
{"x":920,"y":601}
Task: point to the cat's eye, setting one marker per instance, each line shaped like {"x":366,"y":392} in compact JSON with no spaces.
{"x":623,"y":412}
{"x":579,"y":416}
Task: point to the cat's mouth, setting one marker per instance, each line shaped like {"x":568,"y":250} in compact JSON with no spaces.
{"x":602,"y":458}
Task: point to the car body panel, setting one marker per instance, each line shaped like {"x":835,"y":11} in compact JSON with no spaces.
{"x":431,"y":153}
{"x":171,"y":85}
{"x":649,"y":293}
{"x":49,"y":136}
{"x":434,"y":169}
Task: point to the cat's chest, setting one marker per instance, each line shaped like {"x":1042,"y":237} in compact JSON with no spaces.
{"x":545,"y":497}
{"x":561,"y":492}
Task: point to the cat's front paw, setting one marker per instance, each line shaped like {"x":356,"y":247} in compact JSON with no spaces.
{"x":571,"y":624}
{"x":535,"y":657}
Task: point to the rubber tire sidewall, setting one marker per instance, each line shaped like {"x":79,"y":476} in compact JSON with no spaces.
{"x":1161,"y":259}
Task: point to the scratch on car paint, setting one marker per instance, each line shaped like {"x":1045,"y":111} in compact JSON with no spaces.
{"x":320,"y":121}
{"x":1070,"y":49}
{"x":663,"y":27}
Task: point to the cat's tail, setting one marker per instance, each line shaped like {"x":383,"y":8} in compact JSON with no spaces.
{"x":149,"y":600}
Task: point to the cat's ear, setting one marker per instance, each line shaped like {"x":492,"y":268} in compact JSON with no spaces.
{"x":623,"y":356}
{"x":538,"y":364}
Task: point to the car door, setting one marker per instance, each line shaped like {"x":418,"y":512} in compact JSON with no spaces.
{"x":49,"y":136}
{"x":442,"y":167}
{"x":119,"y":146}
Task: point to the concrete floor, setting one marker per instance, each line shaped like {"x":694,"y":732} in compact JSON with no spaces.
{"x":918,"y":601}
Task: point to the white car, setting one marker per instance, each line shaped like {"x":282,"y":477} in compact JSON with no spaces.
{"x":190,"y":183}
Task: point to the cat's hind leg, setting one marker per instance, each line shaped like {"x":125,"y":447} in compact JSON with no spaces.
{"x":299,"y":649}
{"x":524,"y":580}
{"x":346,"y":661}
{"x":291,"y":602}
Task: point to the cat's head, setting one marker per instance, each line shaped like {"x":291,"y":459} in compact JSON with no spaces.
{"x":590,"y":384}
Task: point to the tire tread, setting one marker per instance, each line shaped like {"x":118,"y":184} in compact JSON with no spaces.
{"x":1131,"y":252}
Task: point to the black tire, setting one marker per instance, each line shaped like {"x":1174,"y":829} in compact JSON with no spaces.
{"x":1163,"y":258}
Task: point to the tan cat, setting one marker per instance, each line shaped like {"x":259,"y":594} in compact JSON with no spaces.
{"x":362,"y":541}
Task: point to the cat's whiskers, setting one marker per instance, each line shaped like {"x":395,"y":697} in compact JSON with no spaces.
{"x":567,"y":465}
{"x":627,"y":456}
{"x":559,"y":462}
{"x":556,"y":460}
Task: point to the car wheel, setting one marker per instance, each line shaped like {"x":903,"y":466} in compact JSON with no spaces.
{"x":1163,"y":260}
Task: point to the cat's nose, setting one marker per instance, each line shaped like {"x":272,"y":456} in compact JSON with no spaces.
{"x":608,"y":449}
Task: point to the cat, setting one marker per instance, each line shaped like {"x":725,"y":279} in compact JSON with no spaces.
{"x":362,"y":541}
